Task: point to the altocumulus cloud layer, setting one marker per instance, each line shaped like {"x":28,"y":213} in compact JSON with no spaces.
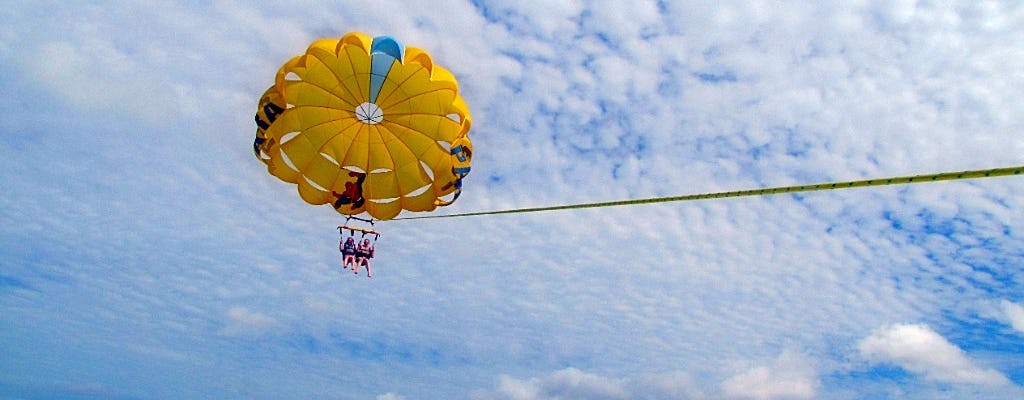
{"x":146,"y":254}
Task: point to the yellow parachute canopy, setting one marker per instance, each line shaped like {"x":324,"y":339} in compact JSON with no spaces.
{"x":366,"y":125}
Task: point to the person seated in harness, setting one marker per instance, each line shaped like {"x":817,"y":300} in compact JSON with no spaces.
{"x":348,"y":252}
{"x":364,"y":252}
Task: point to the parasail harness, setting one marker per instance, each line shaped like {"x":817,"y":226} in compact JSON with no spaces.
{"x":352,"y":229}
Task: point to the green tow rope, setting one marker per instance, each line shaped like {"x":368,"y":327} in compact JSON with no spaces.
{"x":900,"y":180}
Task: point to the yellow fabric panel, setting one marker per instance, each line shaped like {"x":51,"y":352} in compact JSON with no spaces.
{"x":422,"y":125}
{"x":408,"y":171}
{"x":323,"y":44}
{"x":398,"y":111}
{"x":411,"y":177}
{"x":300,"y":119}
{"x":425,"y":103}
{"x":433,"y":99}
{"x":417,"y":143}
{"x":447,"y":128}
{"x":460,"y":108}
{"x":324,"y":137}
{"x":442,"y":168}
{"x":412,"y":82}
{"x":392,"y":88}
{"x":310,"y":141}
{"x":287,"y":123}
{"x":437,"y":74}
{"x":305,"y":93}
{"x":312,"y":115}
{"x":401,"y":156}
{"x":441,"y":79}
{"x":440,"y":202}
{"x":358,"y":151}
{"x":358,"y":62}
{"x":398,"y":150}
{"x":320,"y":80}
{"x":384,"y":211}
{"x":417,"y":55}
{"x":384,"y":184}
{"x":421,"y":202}
{"x":346,"y":67}
{"x":443,"y":76}
{"x":381,"y":186}
{"x":299,"y":151}
{"x":311,"y":194}
{"x":322,"y":172}
{"x":352,"y":92}
{"x":331,"y":62}
{"x":429,"y":126}
{"x":435,"y":159}
{"x":357,"y":39}
{"x":318,"y":135}
{"x":323,"y":48}
{"x":281,"y":170}
{"x":401,"y":83}
{"x":295,"y":65}
{"x":339,"y":144}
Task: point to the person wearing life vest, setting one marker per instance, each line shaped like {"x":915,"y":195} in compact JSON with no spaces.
{"x":348,"y":252}
{"x":364,"y":252}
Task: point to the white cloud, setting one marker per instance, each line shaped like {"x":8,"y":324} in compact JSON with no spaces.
{"x":1014,"y":313}
{"x":791,"y":376}
{"x":390,"y":396}
{"x":569,"y":383}
{"x":919,"y":349}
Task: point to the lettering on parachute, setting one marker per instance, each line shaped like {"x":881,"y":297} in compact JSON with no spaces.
{"x":353,"y":192}
{"x":462,"y":156}
{"x":271,"y":110}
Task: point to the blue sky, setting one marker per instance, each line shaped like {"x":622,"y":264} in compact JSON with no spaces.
{"x":145,"y":254}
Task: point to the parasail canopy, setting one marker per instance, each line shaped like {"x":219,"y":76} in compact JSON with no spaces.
{"x":366,"y":125}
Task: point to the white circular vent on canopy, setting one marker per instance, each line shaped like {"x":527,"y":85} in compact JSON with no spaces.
{"x":369,"y":113}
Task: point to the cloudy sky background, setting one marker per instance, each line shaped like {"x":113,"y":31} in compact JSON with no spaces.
{"x":146,"y":254}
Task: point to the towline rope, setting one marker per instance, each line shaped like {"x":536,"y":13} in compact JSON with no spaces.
{"x":898,"y":180}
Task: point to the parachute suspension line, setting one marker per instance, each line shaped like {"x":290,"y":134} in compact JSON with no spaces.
{"x":899,"y":180}
{"x":350,"y":217}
